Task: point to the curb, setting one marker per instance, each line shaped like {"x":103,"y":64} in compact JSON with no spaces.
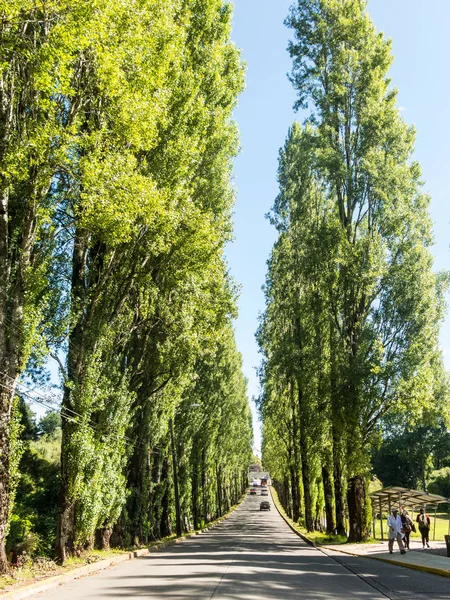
{"x":51,"y":582}
{"x":424,"y":569}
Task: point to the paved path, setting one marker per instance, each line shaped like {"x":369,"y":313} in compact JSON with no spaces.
{"x":253,"y":554}
{"x":434,"y":560}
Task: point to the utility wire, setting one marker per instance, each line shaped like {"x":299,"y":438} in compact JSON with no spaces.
{"x":58,"y":400}
{"x":74,"y":419}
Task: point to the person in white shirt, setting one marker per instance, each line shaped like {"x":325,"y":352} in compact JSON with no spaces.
{"x":395,"y":531}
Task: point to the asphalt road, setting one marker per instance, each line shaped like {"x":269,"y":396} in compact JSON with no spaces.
{"x":253,"y":555}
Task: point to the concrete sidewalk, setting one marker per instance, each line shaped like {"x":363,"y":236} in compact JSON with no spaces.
{"x":416,"y":558}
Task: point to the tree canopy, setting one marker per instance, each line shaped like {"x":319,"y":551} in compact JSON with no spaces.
{"x":117,"y":142}
{"x":351,"y":327}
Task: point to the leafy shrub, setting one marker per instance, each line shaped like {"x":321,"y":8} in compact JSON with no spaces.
{"x":21,"y":538}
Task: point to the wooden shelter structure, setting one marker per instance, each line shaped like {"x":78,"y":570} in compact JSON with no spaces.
{"x":400,"y":497}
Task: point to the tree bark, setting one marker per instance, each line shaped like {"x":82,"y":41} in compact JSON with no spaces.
{"x":13,"y":343}
{"x":328,"y":494}
{"x":138,"y":482}
{"x":339,"y":499}
{"x":195,"y":485}
{"x":5,"y":418}
{"x":295,"y":493}
{"x":103,"y":538}
{"x":204,"y":483}
{"x":356,"y":499}
{"x":175,"y":481}
{"x":219,"y":492}
{"x":306,"y":473}
{"x":165,"y":522}
{"x":156,"y":497}
{"x":75,"y":359}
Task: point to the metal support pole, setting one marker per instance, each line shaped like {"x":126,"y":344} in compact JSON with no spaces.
{"x":434,"y":528}
{"x":381,"y":519}
{"x":175,"y":481}
{"x":389,"y":509}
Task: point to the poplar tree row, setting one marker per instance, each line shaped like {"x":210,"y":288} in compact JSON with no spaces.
{"x":116,"y":143}
{"x":353,"y":307}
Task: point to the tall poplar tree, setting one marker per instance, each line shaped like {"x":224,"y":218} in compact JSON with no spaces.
{"x":372,"y":322}
{"x":116,"y":147}
{"x":151,"y":217}
{"x":39,"y":51}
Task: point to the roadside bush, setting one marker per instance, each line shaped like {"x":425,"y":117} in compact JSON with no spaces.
{"x":21,"y":538}
{"x":32,"y":530}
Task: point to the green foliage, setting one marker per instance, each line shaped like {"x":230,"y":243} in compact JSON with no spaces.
{"x":439,"y":482}
{"x":49,"y":423}
{"x":33,"y":520}
{"x":17,"y":445}
{"x":21,"y":539}
{"x":409,"y":452}
{"x":351,"y":326}
{"x":123,"y":157}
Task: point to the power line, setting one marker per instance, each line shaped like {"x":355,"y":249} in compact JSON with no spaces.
{"x":73,"y":419}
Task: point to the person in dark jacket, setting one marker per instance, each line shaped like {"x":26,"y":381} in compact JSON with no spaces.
{"x":423,"y":521}
{"x":407,"y":527}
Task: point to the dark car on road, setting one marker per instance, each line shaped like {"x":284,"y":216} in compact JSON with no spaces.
{"x":264,"y":505}
{"x":253,"y":492}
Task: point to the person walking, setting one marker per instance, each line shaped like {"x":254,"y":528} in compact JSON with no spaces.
{"x":407,"y":527}
{"x":395,"y":531}
{"x":423,"y":521}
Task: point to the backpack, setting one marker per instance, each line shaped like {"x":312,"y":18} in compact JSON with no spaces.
{"x":424,"y":521}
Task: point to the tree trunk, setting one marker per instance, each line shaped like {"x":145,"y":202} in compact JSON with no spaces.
{"x":75,"y":366}
{"x":118,"y":533}
{"x":328,"y":494}
{"x":339,"y":500}
{"x":338,"y":486}
{"x":166,"y":525}
{"x":103,"y":538}
{"x":156,"y":498}
{"x":6,"y":389}
{"x":295,"y":491}
{"x":236,"y":489}
{"x":219,"y":492}
{"x":5,"y":417}
{"x":13,"y":342}
{"x":356,"y":499}
{"x":65,"y":532}
{"x":195,"y":487}
{"x":205,"y":504}
{"x":283,"y":491}
{"x":139,"y":472}
{"x":309,"y":516}
{"x":306,"y":474}
{"x":175,"y":481}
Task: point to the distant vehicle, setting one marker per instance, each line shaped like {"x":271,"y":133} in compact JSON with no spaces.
{"x":264,"y":493}
{"x":264,"y":505}
{"x":264,"y":481}
{"x":252,"y":492}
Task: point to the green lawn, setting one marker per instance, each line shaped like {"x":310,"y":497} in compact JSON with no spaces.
{"x":442,"y":525}
{"x":318,"y":538}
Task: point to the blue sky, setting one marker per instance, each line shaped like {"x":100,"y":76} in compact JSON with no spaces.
{"x":421,"y":46}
